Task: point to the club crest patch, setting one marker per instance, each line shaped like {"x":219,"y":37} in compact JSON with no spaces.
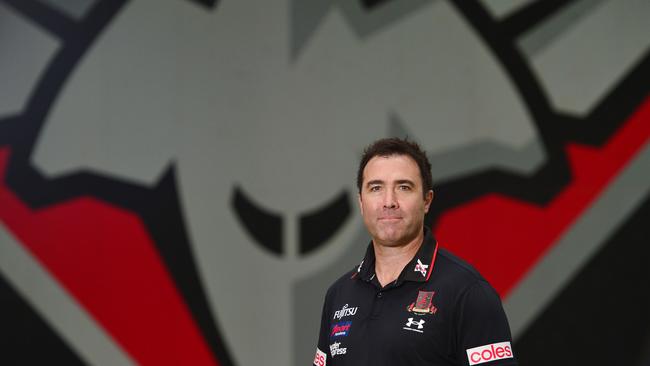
{"x":423,"y":304}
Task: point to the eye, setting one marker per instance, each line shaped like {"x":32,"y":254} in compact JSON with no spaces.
{"x":375,"y":188}
{"x":404,"y":187}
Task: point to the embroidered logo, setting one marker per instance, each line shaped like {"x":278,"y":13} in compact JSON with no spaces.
{"x":423,"y":304}
{"x":345,"y":311}
{"x":340,"y":329}
{"x":336,"y":349}
{"x":422,"y":268}
{"x":419,"y":323}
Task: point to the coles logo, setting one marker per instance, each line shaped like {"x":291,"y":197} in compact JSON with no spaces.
{"x":489,"y":352}
{"x":321,"y":358}
{"x":340,"y":329}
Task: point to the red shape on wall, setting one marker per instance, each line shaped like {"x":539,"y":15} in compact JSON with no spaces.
{"x":504,"y":238}
{"x":103,"y":256}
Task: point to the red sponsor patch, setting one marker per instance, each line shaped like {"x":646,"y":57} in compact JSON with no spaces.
{"x":489,"y":352}
{"x":321,"y":358}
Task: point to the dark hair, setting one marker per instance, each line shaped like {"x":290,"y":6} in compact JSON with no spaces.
{"x":396,"y":146}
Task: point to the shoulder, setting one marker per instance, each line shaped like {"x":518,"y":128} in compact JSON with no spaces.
{"x":473,"y":292}
{"x":460,"y":277}
{"x":343,"y":282}
{"x":457,"y":269}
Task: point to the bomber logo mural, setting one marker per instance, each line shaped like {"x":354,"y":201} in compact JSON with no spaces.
{"x":177,"y":177}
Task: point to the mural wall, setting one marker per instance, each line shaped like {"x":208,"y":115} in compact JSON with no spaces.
{"x":177,"y":178}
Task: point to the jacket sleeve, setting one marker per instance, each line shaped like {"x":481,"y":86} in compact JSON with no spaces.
{"x":322,"y":357}
{"x":482,"y":330}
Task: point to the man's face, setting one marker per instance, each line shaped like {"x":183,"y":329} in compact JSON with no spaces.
{"x":391,"y":200}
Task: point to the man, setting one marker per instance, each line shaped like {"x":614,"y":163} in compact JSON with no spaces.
{"x":409,"y":302}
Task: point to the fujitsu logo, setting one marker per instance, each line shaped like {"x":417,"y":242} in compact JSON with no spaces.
{"x":489,"y":352}
{"x":345,"y":311}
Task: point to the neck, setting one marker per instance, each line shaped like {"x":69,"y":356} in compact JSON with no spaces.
{"x":391,"y":260}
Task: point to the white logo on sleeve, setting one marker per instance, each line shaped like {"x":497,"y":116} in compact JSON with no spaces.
{"x":489,"y":352}
{"x":321,"y":358}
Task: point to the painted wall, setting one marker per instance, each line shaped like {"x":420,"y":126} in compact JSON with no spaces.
{"x":177,"y":178}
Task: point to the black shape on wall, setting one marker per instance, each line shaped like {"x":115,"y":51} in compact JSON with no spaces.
{"x":527,"y":17}
{"x":369,"y":4}
{"x":318,"y":226}
{"x":315,"y":227}
{"x":206,"y":3}
{"x":159,"y":208}
{"x":25,"y":339}
{"x":263,"y":226}
{"x":601,"y":317}
{"x":555,"y":128}
{"x":644,"y":359}
{"x":21,"y":132}
{"x":162,"y":214}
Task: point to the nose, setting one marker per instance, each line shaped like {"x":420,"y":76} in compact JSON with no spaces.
{"x":390,"y":200}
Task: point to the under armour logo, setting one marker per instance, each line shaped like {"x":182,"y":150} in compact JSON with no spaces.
{"x":411,"y":322}
{"x":422,"y":268}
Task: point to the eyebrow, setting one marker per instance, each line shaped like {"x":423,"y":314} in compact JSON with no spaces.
{"x":373,"y":182}
{"x":400,"y":181}
{"x":405,"y":181}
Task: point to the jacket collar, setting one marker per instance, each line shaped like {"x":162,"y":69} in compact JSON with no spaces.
{"x":418,"y":269}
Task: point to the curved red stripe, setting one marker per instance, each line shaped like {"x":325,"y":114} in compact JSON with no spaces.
{"x":433,"y":261}
{"x":504,"y":237}
{"x":104,"y":257}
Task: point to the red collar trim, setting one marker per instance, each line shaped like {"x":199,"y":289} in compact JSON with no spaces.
{"x":433,"y":260}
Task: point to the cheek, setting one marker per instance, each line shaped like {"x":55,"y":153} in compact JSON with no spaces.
{"x":365,"y":209}
{"x":367,"y":205}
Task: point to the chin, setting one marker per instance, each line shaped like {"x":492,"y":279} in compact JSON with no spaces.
{"x":395,"y":238}
{"x":391,"y":240}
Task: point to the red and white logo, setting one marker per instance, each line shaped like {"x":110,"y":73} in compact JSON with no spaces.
{"x":321,"y":358}
{"x":422,"y":268}
{"x":489,"y":352}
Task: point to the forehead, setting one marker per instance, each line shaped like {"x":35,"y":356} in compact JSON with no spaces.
{"x":391,"y":168}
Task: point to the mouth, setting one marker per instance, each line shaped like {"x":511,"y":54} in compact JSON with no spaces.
{"x":389,"y":218}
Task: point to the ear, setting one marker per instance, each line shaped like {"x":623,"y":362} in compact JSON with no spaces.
{"x":428,"y":198}
{"x":359,"y":202}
